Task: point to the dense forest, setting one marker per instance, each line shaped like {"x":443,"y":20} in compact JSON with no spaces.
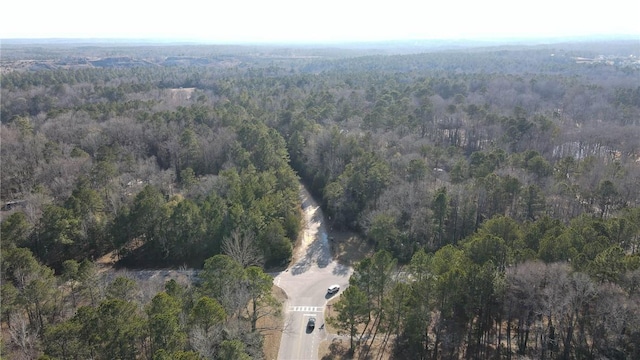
{"x":500,"y":187}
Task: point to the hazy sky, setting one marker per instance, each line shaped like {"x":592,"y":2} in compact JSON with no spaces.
{"x":316,"y":21}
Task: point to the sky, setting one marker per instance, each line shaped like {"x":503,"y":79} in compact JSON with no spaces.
{"x":273,"y":21}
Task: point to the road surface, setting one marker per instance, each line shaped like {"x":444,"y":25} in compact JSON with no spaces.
{"x":306,"y":282}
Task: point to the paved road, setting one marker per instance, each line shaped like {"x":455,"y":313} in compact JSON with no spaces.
{"x":306,"y":283}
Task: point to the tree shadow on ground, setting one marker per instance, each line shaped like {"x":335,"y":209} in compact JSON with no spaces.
{"x":337,"y":350}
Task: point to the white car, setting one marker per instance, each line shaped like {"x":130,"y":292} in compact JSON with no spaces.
{"x":333,"y":289}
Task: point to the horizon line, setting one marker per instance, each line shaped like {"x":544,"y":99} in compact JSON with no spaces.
{"x":195,"y":41}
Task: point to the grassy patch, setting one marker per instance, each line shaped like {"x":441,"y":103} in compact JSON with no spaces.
{"x":348,"y":248}
{"x":274,"y":326}
{"x":336,"y":347}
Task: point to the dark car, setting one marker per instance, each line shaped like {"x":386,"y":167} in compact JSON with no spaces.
{"x":311,"y":324}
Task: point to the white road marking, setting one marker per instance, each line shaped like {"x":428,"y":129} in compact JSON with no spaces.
{"x":306,"y":308}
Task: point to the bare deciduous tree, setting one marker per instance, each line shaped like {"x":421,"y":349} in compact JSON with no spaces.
{"x":205,"y":341}
{"x":242,"y":248}
{"x":23,"y":338}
